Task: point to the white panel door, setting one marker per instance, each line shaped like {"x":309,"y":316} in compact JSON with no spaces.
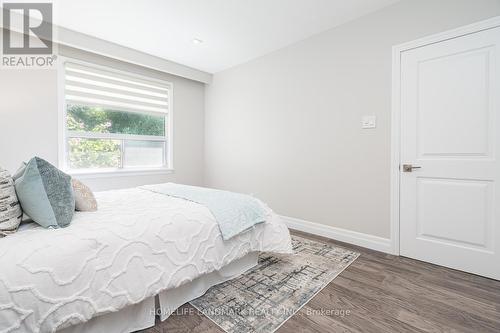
{"x":450,"y":129}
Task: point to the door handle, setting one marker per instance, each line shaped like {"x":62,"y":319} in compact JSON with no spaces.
{"x":409,"y":167}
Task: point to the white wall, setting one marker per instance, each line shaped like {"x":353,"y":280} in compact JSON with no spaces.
{"x":29,"y":121}
{"x":28,"y":116}
{"x":286,"y":126}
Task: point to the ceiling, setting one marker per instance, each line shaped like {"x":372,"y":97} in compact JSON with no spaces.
{"x":232,"y":31}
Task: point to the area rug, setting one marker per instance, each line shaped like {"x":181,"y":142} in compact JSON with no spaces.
{"x":263,"y":298}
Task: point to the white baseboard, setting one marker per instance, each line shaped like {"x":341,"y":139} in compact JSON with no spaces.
{"x":343,"y":235}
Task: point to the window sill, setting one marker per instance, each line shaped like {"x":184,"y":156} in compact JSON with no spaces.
{"x":89,"y":174}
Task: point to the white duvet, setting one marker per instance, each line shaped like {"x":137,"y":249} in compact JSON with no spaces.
{"x":137,"y":244}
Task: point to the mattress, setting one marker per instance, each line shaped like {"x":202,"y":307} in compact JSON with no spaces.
{"x":137,"y":245}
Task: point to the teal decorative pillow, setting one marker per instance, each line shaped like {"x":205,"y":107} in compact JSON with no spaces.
{"x":45,"y":193}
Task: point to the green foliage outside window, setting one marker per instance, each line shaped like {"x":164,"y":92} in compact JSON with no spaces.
{"x":105,"y":153}
{"x":99,"y":120}
{"x":94,"y":153}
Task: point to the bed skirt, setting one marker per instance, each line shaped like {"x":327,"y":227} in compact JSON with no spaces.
{"x":142,"y":315}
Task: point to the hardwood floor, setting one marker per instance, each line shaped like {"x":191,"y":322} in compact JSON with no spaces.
{"x":383,"y":293}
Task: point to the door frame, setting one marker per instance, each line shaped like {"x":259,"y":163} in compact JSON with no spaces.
{"x":396,"y":112}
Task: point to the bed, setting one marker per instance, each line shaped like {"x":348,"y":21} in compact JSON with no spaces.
{"x":140,"y":255}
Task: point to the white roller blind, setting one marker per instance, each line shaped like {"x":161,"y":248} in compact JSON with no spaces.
{"x":85,"y":85}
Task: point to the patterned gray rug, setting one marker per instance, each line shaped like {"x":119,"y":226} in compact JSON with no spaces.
{"x":263,"y":298}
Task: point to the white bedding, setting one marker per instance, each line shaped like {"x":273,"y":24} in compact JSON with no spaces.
{"x":137,"y":244}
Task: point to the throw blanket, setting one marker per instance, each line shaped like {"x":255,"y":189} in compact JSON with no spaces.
{"x":234,"y":212}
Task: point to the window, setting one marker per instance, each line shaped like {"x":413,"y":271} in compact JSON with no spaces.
{"x":114,"y":121}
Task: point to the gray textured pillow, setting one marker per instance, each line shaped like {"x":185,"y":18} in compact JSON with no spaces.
{"x":10,"y":210}
{"x":84,"y":198}
{"x":45,"y":193}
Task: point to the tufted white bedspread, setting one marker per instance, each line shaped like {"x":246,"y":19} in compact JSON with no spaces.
{"x":137,"y":244}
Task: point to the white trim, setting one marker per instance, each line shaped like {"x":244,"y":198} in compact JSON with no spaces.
{"x":169,"y":128}
{"x":61,"y":103}
{"x":395,"y":150}
{"x":115,"y":136}
{"x":396,"y":110}
{"x":343,"y":235}
{"x":112,"y":173}
{"x":450,"y":34}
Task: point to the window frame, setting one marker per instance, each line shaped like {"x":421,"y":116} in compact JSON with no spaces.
{"x":64,"y":135}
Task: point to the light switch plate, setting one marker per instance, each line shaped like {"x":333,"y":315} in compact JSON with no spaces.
{"x":369,"y":122}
